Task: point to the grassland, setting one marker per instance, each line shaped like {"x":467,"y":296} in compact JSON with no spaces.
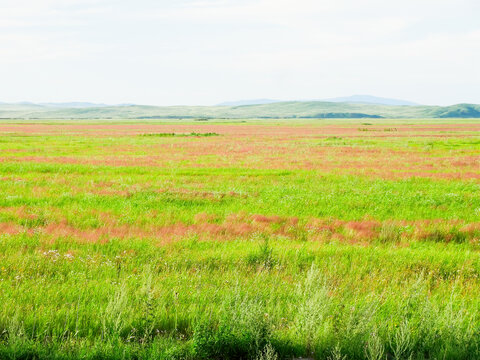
{"x":262,"y":240}
{"x":288,"y":110}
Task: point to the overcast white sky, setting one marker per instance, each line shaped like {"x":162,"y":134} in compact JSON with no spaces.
{"x":204,"y":52}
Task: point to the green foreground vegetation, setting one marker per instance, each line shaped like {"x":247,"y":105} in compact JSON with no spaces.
{"x":89,"y":271}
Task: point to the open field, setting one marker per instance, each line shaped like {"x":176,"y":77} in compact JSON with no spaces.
{"x":349,"y":239}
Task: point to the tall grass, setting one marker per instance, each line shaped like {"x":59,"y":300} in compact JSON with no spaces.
{"x":206,"y":300}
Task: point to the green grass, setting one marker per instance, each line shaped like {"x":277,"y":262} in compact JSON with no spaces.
{"x":220,"y":300}
{"x":409,"y":289}
{"x":270,"y":192}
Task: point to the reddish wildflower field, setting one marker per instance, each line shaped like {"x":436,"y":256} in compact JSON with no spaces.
{"x":205,"y":176}
{"x":440,"y":151}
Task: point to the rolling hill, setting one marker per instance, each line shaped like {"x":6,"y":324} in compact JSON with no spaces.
{"x":290,"y":109}
{"x":369,"y":99}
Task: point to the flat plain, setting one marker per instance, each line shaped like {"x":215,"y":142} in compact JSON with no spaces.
{"x":240,"y":239}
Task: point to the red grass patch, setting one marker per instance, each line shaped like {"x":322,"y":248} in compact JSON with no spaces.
{"x":237,"y":130}
{"x":10,"y":229}
{"x":205,"y":218}
{"x":267,"y":219}
{"x":241,"y":225}
{"x":366,"y":229}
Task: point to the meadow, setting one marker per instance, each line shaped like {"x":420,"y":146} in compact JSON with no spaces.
{"x":251,"y":239}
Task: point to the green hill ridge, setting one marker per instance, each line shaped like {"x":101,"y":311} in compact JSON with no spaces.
{"x":278,"y":110}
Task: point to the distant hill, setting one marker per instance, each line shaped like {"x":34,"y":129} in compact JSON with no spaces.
{"x":459,"y":111}
{"x":248,"y":102}
{"x":354,"y":99}
{"x":73,"y":105}
{"x":369,"y":99}
{"x":277,"y":110}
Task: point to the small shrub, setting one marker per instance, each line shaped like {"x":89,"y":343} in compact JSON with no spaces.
{"x":390,"y":233}
{"x":159,"y":134}
{"x":374,"y":349}
{"x":264,"y":256}
{"x":314,"y":306}
{"x":337,"y":354}
{"x":268,"y":353}
{"x":401,"y":344}
{"x":451,"y":235}
{"x":210,"y":342}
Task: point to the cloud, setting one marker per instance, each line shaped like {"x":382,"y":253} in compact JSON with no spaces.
{"x":272,"y":47}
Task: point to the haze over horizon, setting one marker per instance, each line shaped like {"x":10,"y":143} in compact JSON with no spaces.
{"x":358,"y":99}
{"x":208,"y":52}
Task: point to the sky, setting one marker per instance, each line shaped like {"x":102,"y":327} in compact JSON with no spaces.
{"x":195,"y":52}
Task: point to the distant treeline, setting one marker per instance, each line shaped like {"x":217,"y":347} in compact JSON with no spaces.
{"x":342,"y":116}
{"x":314,"y":116}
